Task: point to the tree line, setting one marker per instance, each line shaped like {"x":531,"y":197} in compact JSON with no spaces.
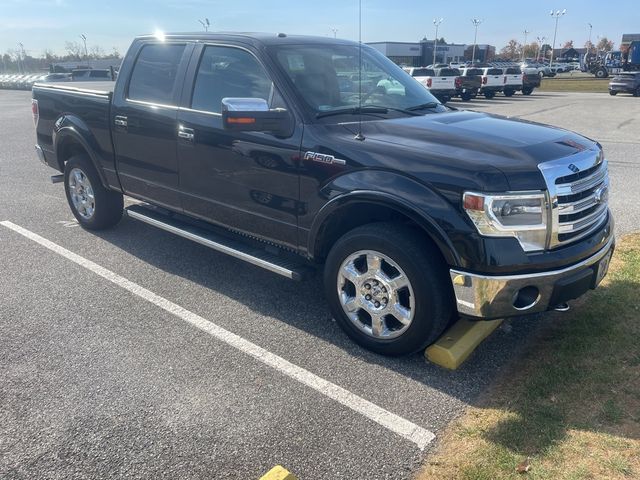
{"x":514,"y":49}
{"x":16,"y":60}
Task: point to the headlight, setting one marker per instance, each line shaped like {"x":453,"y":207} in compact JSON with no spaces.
{"x":519,"y":215}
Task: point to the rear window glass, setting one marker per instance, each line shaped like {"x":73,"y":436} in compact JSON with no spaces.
{"x":474,"y":71}
{"x":513,"y":71}
{"x":494,"y":71}
{"x":447,"y":72}
{"x":99,"y":74}
{"x":422,"y":72}
{"x":154,"y":74}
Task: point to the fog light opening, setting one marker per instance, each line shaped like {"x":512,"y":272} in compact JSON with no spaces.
{"x":526,"y":298}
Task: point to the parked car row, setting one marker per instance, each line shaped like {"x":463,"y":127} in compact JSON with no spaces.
{"x":26,"y":81}
{"x":469,"y":82}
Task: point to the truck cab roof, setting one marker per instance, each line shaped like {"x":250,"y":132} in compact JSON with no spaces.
{"x":266,"y":39}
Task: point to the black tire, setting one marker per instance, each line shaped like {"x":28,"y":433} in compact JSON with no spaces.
{"x":527,"y":91}
{"x":601,"y":73}
{"x":489,"y":95}
{"x":466,"y":97}
{"x":541,"y":74}
{"x":637,"y":92}
{"x":444,"y":99}
{"x":426,"y":271}
{"x":613,"y":93}
{"x":509,"y":93}
{"x":107,"y":204}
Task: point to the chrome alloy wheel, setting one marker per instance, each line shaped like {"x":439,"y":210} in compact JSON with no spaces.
{"x":376,"y":294}
{"x":81,"y":193}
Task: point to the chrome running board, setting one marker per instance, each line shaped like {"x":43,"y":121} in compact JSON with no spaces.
{"x":282,"y":265}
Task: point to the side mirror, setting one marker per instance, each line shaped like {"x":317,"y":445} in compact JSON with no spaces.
{"x":254,"y":115}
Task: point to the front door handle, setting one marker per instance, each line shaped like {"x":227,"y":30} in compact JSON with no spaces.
{"x":120,"y":121}
{"x":186,"y":133}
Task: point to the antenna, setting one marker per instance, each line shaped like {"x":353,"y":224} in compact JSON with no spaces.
{"x":359,"y":136}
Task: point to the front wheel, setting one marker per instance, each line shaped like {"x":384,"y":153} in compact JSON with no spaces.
{"x":466,"y":97}
{"x":509,"y":93}
{"x":95,"y":207}
{"x":637,"y":92}
{"x":388,"y":288}
{"x":613,"y":93}
{"x":527,"y":91}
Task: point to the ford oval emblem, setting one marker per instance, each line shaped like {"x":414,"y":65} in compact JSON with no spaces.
{"x":573,"y":168}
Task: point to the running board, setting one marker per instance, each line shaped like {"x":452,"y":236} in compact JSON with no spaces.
{"x":281,"y":265}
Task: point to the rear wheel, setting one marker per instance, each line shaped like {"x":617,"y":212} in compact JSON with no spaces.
{"x":613,"y":93}
{"x":387,"y":288}
{"x":465,"y":97}
{"x":601,"y":73}
{"x":94,"y":206}
{"x":527,"y":91}
{"x":509,"y":93}
{"x":489,"y":95}
{"x":637,"y":92}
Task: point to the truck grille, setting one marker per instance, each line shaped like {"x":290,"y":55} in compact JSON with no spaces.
{"x":579,"y":199}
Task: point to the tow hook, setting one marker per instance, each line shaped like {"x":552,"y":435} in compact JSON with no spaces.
{"x":57,"y":178}
{"x":562,"y":307}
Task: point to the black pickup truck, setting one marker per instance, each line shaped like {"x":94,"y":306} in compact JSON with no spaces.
{"x":283,"y":151}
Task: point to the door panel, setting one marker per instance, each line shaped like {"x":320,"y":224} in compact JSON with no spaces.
{"x":145,"y":124}
{"x":245,"y":181}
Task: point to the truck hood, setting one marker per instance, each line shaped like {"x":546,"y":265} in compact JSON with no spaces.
{"x":478,"y":141}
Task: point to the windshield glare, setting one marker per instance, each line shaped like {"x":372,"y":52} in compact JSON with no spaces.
{"x":327,"y":78}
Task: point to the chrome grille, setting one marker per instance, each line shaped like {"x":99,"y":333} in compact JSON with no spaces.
{"x":578,"y":194}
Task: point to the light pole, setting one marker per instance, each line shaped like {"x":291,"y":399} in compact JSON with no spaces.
{"x":335,"y":32}
{"x":21,"y":69}
{"x":557,"y":14}
{"x":540,"y":42}
{"x":476,"y":23}
{"x":437,"y":23}
{"x":205,"y":24}
{"x":86,"y":55}
{"x":526,"y":32}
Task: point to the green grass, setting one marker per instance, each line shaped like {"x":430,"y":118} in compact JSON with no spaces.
{"x":572,"y":404}
{"x":581,"y":83}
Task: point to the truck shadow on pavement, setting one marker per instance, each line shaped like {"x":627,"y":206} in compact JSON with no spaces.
{"x":302,"y":305}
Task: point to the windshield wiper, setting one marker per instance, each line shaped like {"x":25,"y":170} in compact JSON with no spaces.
{"x":423,"y":106}
{"x":353,"y":111}
{"x":365,"y":109}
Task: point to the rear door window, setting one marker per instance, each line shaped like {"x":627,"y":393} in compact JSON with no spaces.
{"x":154,"y":74}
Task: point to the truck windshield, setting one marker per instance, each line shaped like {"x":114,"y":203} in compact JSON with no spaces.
{"x":327,"y":78}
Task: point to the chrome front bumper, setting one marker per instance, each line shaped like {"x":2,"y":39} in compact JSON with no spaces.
{"x":490,"y":297}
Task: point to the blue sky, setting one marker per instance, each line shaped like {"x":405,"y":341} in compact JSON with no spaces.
{"x":42,"y":24}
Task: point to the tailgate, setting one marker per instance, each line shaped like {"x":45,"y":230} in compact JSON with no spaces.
{"x":443,"y":83}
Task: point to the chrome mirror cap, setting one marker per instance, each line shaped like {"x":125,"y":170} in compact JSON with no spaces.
{"x":244,"y":105}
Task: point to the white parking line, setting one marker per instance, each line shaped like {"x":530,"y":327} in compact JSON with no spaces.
{"x":409,"y":430}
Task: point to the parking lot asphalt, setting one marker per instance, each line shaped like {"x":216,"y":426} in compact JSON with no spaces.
{"x":97,"y":381}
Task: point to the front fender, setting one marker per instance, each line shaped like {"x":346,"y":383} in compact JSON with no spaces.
{"x":436,"y":215}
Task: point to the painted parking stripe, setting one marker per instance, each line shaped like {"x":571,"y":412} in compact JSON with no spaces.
{"x":398,"y":425}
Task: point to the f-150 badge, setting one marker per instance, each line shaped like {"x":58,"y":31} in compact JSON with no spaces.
{"x":322,"y":158}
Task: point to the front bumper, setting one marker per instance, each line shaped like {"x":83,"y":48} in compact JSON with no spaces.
{"x":489,"y":297}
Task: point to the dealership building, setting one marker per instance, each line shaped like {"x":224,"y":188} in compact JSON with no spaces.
{"x":420,"y":54}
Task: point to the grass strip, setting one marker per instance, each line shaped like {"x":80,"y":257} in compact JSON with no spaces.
{"x":568,"y":410}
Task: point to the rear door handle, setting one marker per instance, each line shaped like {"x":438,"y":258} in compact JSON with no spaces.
{"x":120,"y":121}
{"x":186,"y":133}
